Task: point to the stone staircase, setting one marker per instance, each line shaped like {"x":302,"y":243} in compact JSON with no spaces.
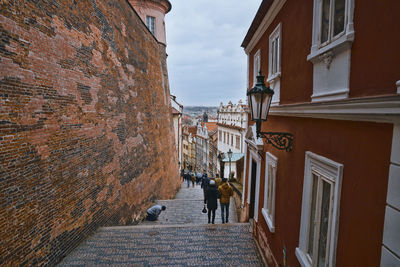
{"x":180,"y":237}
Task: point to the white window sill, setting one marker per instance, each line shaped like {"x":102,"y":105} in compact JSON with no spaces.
{"x":302,"y":258}
{"x":331,"y":95}
{"x":337,"y":44}
{"x":274,"y":77}
{"x":268,"y":219}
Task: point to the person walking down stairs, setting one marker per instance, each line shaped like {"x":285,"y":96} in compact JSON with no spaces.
{"x":226,"y":192}
{"x":212,"y":195}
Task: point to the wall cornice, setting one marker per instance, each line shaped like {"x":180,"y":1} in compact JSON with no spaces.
{"x":384,"y":109}
{"x":264,"y":25}
{"x":230,"y":126}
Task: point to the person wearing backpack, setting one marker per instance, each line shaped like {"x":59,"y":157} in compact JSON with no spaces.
{"x":226,"y":192}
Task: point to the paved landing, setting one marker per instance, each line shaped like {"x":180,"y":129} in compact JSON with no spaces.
{"x":186,"y":209}
{"x":192,"y":245}
{"x":180,"y":237}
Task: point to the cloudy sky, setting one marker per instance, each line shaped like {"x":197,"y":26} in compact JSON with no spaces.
{"x":206,"y":64}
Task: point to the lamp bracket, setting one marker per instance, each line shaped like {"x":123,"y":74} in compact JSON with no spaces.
{"x":279,"y":140}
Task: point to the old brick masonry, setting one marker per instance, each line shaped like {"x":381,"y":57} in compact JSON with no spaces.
{"x":85,"y":130}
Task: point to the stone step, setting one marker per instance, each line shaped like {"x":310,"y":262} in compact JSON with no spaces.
{"x":154,"y":226}
{"x":190,"y":245}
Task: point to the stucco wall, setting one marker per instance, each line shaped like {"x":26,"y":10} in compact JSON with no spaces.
{"x":364,"y":150}
{"x":86,"y":134}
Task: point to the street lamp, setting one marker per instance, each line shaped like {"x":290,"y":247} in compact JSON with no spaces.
{"x":230,"y":157}
{"x":259,"y":98}
{"x":221,"y":156}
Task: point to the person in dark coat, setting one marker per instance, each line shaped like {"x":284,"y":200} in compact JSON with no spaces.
{"x":188,"y":178}
{"x":204,"y":184}
{"x":212,"y":194}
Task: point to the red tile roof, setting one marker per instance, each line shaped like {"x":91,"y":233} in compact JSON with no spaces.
{"x":192,"y":129}
{"x":211,"y":126}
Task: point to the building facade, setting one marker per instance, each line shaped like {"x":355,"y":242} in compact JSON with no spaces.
{"x":188,"y":148}
{"x":212,"y":129}
{"x":177,"y":109}
{"x":152,"y":13}
{"x":334,"y":199}
{"x":202,"y":148}
{"x":232,"y":124}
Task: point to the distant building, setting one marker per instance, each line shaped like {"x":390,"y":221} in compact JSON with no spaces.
{"x":202,"y":148}
{"x":176,"y":109}
{"x":205,"y":117}
{"x":334,"y":200}
{"x":213,"y":147}
{"x":152,"y":13}
{"x":188,"y":148}
{"x":232,"y":124}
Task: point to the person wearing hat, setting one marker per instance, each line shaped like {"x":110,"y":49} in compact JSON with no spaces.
{"x":212,"y":195}
{"x":226,"y":192}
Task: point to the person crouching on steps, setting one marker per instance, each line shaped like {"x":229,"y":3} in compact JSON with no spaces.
{"x":154,"y":212}
{"x":226,"y":192}
{"x":212,"y":195}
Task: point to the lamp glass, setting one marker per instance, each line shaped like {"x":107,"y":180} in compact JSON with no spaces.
{"x":255,"y":99}
{"x":266,"y":103}
{"x":230,"y":153}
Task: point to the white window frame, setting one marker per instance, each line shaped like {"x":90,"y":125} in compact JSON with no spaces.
{"x":256,"y":65}
{"x":268,"y":209}
{"x":275,"y":37}
{"x":151,"y":24}
{"x":254,"y":156}
{"x":274,"y":77}
{"x":334,"y":172}
{"x":338,"y":41}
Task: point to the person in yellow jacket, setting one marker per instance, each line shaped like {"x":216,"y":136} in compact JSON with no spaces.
{"x":218,"y":181}
{"x":226,"y":192}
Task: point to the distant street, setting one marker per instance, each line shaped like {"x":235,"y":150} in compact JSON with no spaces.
{"x":180,"y":237}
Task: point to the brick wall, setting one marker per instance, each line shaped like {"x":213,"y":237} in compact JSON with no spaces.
{"x":86,"y":134}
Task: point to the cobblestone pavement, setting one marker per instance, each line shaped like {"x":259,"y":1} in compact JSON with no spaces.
{"x":181,"y":237}
{"x":186,"y":208}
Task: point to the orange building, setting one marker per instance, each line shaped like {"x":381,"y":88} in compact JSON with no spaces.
{"x":334,"y":66}
{"x":152,"y":12}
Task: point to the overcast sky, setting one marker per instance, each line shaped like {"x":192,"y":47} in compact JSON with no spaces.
{"x":206,"y":64}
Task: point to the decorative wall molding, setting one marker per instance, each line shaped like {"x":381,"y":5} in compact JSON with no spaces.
{"x":266,"y":22}
{"x":374,"y":109}
{"x":327,"y":58}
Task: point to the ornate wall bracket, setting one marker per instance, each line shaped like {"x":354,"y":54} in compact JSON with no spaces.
{"x":327,"y":58}
{"x":279,"y":140}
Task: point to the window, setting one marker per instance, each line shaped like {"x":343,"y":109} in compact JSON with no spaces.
{"x":224,"y":137}
{"x":220,"y":135}
{"x":150,"y":23}
{"x":238,"y":142}
{"x":333,"y":34}
{"x":274,"y":63}
{"x":231,"y":139}
{"x":319,"y":214}
{"x":268,"y":209}
{"x":274,"y":66}
{"x":256,"y":66}
{"x":332,"y":20}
